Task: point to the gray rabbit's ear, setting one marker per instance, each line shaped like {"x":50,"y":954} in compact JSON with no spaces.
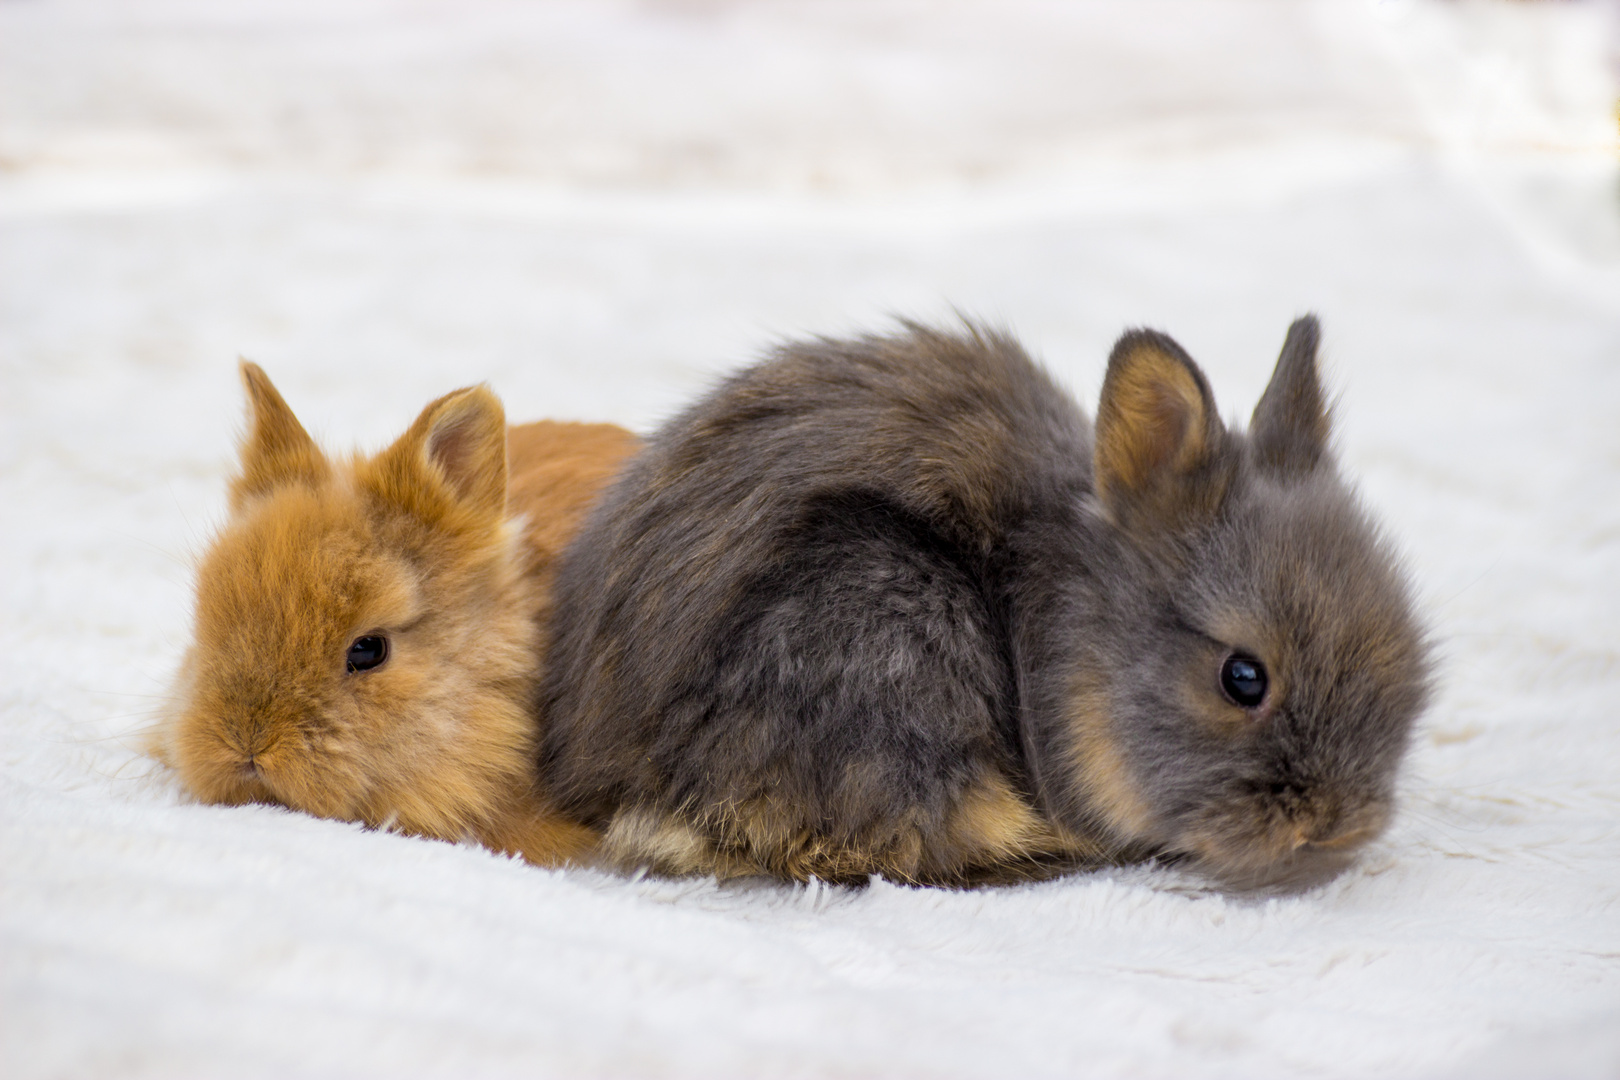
{"x":1289,"y":431}
{"x":1158,"y":434}
{"x":277,"y":449}
{"x":455,"y":449}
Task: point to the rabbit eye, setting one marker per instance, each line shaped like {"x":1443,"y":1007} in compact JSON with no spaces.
{"x":368,"y":652}
{"x":1244,"y":680}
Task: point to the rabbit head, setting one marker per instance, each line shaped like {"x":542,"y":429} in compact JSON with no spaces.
{"x":1252,"y":699}
{"x":364,"y":637}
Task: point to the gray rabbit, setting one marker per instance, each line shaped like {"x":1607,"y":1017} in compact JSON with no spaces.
{"x":889,"y":605}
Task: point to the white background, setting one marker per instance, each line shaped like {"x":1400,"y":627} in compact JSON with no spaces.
{"x":596,"y":207}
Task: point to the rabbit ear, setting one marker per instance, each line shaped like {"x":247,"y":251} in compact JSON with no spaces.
{"x":277,"y":449}
{"x":1156,"y":429}
{"x":467,"y":441}
{"x":1289,"y":431}
{"x":456,"y":448}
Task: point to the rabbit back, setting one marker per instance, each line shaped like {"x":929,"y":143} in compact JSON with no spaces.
{"x":778,"y":647}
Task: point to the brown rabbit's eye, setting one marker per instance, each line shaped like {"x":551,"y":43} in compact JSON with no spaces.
{"x":1244,"y":680}
{"x":368,"y":652}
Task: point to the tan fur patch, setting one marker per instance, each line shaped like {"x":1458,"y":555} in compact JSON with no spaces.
{"x":1111,"y":792}
{"x":992,"y":824}
{"x":664,"y":844}
{"x":1151,"y":418}
{"x":992,"y":834}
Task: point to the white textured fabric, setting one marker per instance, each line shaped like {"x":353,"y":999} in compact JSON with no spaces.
{"x":597,"y":207}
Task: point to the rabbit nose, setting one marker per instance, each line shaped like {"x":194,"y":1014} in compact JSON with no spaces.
{"x":249,"y":745}
{"x":1337,"y":832}
{"x":1321,"y":830}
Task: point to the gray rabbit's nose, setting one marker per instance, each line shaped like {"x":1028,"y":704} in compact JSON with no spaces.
{"x":1341,"y":832}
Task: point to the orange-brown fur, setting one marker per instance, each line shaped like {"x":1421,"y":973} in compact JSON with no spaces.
{"x":556,"y":470}
{"x":425,"y":543}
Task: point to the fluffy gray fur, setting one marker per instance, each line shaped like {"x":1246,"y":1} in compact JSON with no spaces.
{"x":863,"y":579}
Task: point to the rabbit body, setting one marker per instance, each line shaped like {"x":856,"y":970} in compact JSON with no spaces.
{"x":891,"y":605}
{"x":368,"y":631}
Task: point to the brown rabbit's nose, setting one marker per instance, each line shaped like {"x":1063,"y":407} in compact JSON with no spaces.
{"x":249,"y":748}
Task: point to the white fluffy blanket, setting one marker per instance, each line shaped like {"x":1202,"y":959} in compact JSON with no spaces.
{"x":596,"y":207}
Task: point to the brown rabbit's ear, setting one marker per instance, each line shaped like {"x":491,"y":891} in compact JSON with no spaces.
{"x":277,"y":449}
{"x":1289,"y":431}
{"x":457,"y":446}
{"x":1157,"y":431}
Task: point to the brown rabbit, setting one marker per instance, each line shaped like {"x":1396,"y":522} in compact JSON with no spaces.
{"x":368,"y":630}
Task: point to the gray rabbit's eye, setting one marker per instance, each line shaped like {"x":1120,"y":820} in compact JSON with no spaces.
{"x":1244,"y":680}
{"x":368,"y":652}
